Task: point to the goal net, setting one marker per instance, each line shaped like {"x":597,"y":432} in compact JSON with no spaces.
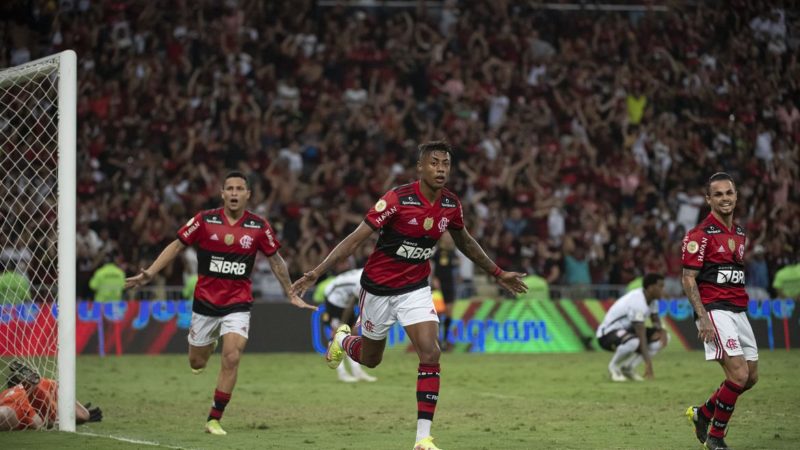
{"x":37,"y":242}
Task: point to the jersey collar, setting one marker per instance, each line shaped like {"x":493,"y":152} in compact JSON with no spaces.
{"x":422,"y":197}
{"x":714,"y":219}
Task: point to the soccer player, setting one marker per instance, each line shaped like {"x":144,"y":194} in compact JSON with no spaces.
{"x":340,"y":296}
{"x":30,"y":401}
{"x":410,"y":220}
{"x":444,"y":262}
{"x":227,"y":240}
{"x":623,"y":331}
{"x":713,"y":279}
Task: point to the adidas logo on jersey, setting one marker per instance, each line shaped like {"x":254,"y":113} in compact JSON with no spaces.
{"x":214,"y":237}
{"x":721,"y":249}
{"x":413,"y":221}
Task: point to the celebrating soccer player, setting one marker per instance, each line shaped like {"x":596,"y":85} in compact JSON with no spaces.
{"x":410,"y":220}
{"x":227,"y":240}
{"x":713,"y":278}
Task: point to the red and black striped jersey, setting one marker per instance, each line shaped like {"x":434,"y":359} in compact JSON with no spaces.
{"x":226,"y":254}
{"x":409,"y":227}
{"x":718,"y":253}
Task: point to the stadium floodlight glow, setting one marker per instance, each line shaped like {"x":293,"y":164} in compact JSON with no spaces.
{"x":38,"y":204}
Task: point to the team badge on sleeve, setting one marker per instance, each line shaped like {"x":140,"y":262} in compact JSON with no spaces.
{"x":692,"y":247}
{"x":381,"y":205}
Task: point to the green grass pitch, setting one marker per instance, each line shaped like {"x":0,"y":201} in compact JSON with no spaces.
{"x":293,"y":401}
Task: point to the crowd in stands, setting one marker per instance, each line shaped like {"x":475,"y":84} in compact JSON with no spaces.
{"x":583,"y":139}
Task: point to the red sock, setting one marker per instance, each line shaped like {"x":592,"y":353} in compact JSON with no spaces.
{"x":708,"y":408}
{"x":352,"y":346}
{"x":427,"y":390}
{"x":221,"y":400}
{"x":726,"y":400}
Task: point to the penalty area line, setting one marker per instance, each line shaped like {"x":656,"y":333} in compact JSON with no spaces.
{"x":131,"y":441}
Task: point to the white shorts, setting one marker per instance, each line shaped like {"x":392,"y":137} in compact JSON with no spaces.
{"x":205,"y":330}
{"x":733,"y":335}
{"x":379,"y":313}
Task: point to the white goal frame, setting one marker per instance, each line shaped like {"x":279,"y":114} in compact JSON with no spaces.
{"x":65,"y":64}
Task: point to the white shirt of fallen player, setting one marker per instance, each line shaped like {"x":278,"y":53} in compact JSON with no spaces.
{"x":344,"y":288}
{"x":631,"y":307}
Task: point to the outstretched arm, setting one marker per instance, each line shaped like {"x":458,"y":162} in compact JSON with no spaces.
{"x":146,"y":275}
{"x":278,"y":265}
{"x":511,"y":281}
{"x":704,"y":328}
{"x":344,"y":249}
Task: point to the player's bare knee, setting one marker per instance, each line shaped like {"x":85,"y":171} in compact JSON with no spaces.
{"x":371,"y":362}
{"x":430,"y":356}
{"x":197,"y":362}
{"x":740,"y":376}
{"x":231,"y":359}
{"x":752,"y":379}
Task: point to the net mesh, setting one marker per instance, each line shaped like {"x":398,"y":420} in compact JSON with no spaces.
{"x":28,"y":243}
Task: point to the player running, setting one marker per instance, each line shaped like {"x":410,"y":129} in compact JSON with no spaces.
{"x":227,"y":240}
{"x":410,"y":220}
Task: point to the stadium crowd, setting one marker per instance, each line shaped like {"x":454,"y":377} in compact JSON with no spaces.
{"x":583,"y":138}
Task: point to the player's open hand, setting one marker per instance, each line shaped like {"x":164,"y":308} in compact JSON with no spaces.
{"x":301,"y":285}
{"x":512,"y":281}
{"x":297,"y":301}
{"x":705,"y":330}
{"x":142,"y":278}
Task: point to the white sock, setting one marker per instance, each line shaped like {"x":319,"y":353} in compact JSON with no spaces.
{"x":340,"y":338}
{"x":653,"y":347}
{"x":423,"y":429}
{"x":355,"y":368}
{"x":623,"y":351}
{"x":341,"y":371}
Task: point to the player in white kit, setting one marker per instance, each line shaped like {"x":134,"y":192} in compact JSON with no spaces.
{"x":340,"y":297}
{"x":623,"y":330}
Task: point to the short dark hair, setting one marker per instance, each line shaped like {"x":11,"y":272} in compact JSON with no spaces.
{"x":19,"y":373}
{"x":434,"y":146}
{"x":237,"y":174}
{"x":651,"y":278}
{"x":719,"y":176}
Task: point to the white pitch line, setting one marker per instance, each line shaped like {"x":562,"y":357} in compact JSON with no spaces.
{"x":131,"y":441}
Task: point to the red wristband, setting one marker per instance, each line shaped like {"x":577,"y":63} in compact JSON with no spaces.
{"x":497,"y":271}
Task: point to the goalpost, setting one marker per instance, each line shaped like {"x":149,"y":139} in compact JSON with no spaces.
{"x":38,"y":191}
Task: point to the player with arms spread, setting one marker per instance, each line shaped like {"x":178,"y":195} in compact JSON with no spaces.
{"x":410,"y":219}
{"x":227,"y":240}
{"x":713,"y":279}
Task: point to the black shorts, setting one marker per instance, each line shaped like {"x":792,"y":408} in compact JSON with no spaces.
{"x":335,"y":312}
{"x":448,"y":292}
{"x":610,"y":341}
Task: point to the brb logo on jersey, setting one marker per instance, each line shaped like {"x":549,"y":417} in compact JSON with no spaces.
{"x":412,"y":252}
{"x":728,"y":275}
{"x":219,"y":265}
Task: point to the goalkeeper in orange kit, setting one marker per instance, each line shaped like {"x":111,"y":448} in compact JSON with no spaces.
{"x":30,"y":401}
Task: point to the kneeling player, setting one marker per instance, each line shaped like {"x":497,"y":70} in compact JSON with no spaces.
{"x":340,"y":296}
{"x":623,"y":331}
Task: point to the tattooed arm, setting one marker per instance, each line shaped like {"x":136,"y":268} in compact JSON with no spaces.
{"x":704,"y":328}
